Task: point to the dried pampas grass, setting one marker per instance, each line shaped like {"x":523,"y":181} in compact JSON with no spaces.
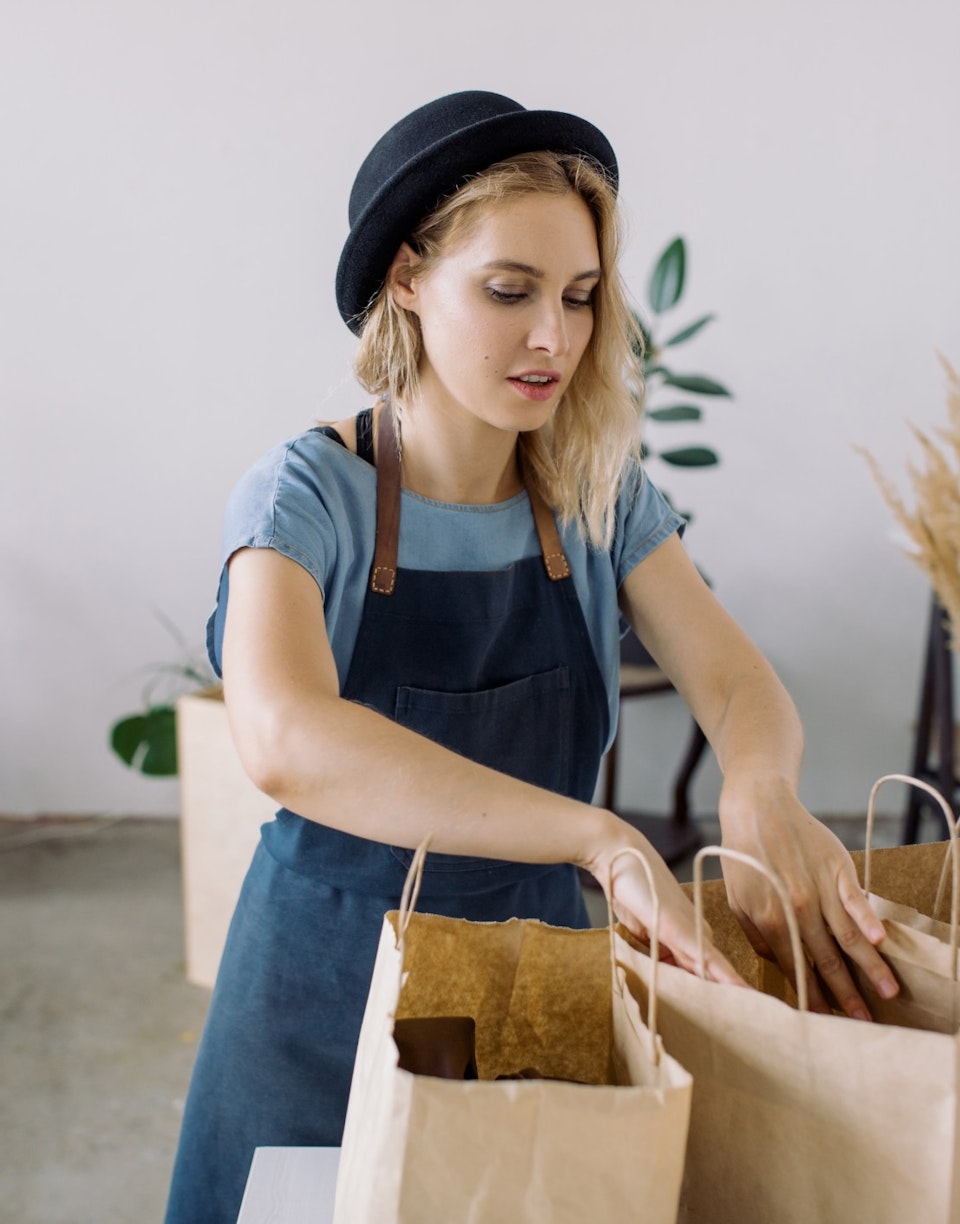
{"x":933,"y":525}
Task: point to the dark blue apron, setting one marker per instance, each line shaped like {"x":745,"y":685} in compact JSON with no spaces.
{"x":496,"y":665}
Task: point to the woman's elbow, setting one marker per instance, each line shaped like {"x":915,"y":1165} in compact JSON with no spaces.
{"x":282,"y":752}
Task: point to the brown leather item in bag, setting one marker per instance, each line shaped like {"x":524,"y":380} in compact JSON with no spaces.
{"x":442,"y":1046}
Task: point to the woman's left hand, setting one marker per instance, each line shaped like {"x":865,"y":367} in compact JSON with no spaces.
{"x":768,"y":822}
{"x":755,"y":731}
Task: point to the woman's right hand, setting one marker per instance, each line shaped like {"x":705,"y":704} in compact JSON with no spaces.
{"x":633,"y":905}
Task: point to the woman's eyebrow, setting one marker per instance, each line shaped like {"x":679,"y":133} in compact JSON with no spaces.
{"x":514,"y":265}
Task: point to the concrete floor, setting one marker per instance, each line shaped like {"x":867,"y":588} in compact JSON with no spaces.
{"x":98,"y":1027}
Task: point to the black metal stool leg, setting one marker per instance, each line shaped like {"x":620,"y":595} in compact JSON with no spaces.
{"x":935,"y":709}
{"x":677,"y":836}
{"x":681,"y":788}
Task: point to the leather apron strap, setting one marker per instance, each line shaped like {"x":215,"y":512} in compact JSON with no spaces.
{"x":554,"y":558}
{"x":383,"y":573}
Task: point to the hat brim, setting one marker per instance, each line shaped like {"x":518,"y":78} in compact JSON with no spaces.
{"x":436,"y":172}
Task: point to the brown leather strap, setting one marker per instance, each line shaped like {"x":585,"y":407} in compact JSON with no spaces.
{"x":554,"y":558}
{"x":383,"y":575}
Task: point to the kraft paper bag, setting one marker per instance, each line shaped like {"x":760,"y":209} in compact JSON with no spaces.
{"x":920,"y":950}
{"x":800,"y":1118}
{"x":600,"y":1135}
{"x":907,"y":915}
{"x":929,"y":995}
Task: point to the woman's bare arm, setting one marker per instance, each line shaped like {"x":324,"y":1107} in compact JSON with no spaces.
{"x":347,"y":766}
{"x":755,"y":732}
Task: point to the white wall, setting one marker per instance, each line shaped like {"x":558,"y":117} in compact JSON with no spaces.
{"x":175,"y":183}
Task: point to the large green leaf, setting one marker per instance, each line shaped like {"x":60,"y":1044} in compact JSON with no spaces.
{"x":677,"y":412}
{"x":695,"y":383}
{"x":689,"y":332}
{"x":690,"y":456}
{"x":148,"y":742}
{"x":666,"y":280}
{"x":126,"y":736}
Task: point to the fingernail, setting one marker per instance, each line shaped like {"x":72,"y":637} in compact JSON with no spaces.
{"x":887,"y":988}
{"x":861,"y":1013}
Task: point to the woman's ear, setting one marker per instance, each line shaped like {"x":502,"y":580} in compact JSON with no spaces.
{"x":401,"y":278}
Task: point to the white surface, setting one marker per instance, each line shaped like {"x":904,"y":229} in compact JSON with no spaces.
{"x":290,"y":1185}
{"x":175,"y":195}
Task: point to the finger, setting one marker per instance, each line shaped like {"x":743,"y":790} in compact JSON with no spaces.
{"x":718,"y":969}
{"x":632,"y":924}
{"x":825,"y":948}
{"x":858,"y":907}
{"x":757,"y":942}
{"x":678,"y":936}
{"x":682,"y":947}
{"x":640,"y":934}
{"x":777,"y":938}
{"x":853,"y":924}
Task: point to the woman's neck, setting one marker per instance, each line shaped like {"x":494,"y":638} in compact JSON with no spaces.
{"x":466,"y":462}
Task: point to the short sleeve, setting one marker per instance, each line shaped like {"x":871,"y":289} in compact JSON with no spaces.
{"x":279,"y":504}
{"x":295,"y":501}
{"x":644,"y":520}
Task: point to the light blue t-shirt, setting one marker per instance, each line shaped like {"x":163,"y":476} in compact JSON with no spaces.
{"x":315,"y":501}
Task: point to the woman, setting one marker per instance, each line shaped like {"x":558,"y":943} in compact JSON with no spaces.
{"x":418,"y":629}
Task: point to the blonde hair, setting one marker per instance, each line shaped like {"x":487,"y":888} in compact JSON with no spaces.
{"x":578,"y":461}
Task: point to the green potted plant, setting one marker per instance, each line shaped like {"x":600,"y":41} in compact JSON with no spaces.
{"x":146,"y":740}
{"x":671,"y":397}
{"x":664,"y":290}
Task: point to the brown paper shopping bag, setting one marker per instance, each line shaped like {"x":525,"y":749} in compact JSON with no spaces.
{"x":908,"y":915}
{"x":599,"y":1135}
{"x":800,"y":1118}
{"x":921,"y":951}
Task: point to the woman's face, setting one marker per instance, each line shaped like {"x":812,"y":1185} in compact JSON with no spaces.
{"x":506,"y":312}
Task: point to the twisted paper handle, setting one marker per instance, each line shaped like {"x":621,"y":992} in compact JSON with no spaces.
{"x":952,"y":857}
{"x":633,"y":852}
{"x":796,"y":945}
{"x":411,"y":891}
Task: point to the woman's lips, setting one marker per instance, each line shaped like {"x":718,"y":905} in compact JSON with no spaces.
{"x":538,"y":389}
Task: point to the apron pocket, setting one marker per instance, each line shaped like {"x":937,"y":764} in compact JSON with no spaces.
{"x":522,"y":728}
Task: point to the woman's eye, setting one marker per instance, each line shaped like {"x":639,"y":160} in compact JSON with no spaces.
{"x":506,"y":295}
{"x":509,"y":296}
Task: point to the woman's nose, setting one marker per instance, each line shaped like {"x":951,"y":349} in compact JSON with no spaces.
{"x":549,"y":331}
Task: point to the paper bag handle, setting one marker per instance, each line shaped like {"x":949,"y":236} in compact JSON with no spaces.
{"x":952,"y":857}
{"x":411,"y":891}
{"x":633,"y":852}
{"x":796,"y":946}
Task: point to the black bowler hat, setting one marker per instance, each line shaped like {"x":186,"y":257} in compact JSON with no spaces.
{"x":426,"y":157}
